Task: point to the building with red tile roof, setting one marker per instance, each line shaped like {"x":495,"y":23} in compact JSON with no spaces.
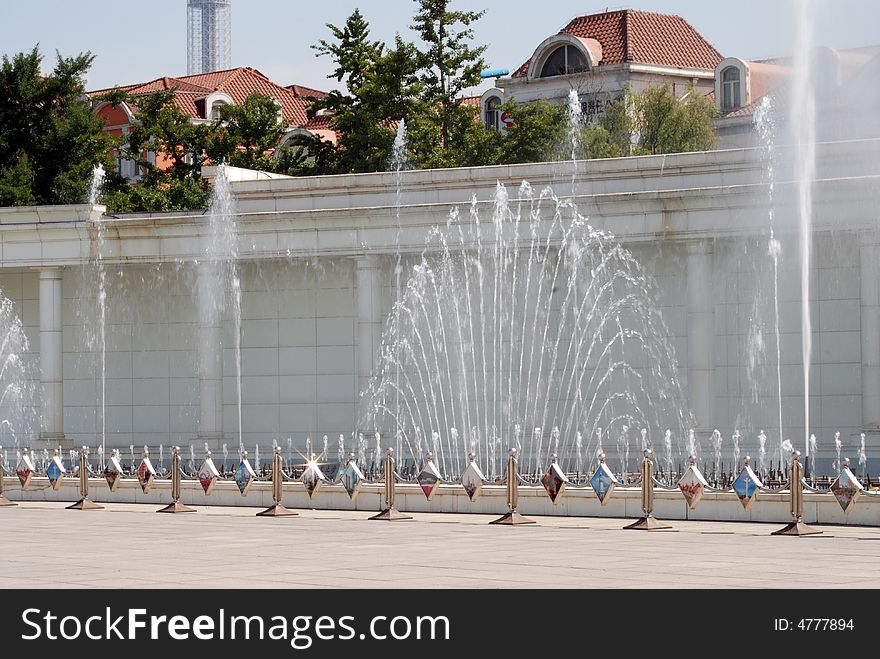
{"x":600,"y":55}
{"x":199,"y":96}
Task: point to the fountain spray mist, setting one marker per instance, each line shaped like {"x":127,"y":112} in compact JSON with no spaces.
{"x":98,"y":175}
{"x":803,"y":123}
{"x":220,"y":288}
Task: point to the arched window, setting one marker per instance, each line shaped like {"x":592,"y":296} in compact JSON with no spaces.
{"x":493,"y":113}
{"x":565,"y":60}
{"x":215,"y":109}
{"x":731,"y":96}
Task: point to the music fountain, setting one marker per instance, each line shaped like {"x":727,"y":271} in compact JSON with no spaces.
{"x":468,"y":339}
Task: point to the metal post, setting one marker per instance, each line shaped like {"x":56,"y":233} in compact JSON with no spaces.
{"x":4,"y":502}
{"x":796,"y":500}
{"x":390,"y":513}
{"x":648,"y":522}
{"x":512,"y":518}
{"x":84,"y":503}
{"x":175,"y":506}
{"x":277,"y":509}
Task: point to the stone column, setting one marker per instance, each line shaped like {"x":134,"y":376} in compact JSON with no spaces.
{"x":210,"y":358}
{"x":700,"y":333}
{"x":369,"y":318}
{"x":870,"y":307}
{"x":51,"y":363}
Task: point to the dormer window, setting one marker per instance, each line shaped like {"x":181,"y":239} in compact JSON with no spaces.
{"x":493,"y":113}
{"x":731,"y":86}
{"x":214,"y":103}
{"x":215,"y":109}
{"x":565,"y":60}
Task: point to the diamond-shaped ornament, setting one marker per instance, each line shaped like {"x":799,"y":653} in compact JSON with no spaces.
{"x":145,"y":474}
{"x":331,"y":471}
{"x":55,"y":471}
{"x":429,"y":478}
{"x":746,"y":487}
{"x":554,"y":481}
{"x":846,"y":489}
{"x":25,"y":469}
{"x":113,"y":472}
{"x":603,"y":482}
{"x":312,"y":477}
{"x":352,"y":477}
{"x":472,"y":480}
{"x":208,"y":474}
{"x":244,"y":475}
{"x":692,"y":485}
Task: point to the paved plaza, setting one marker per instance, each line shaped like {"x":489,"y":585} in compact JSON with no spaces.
{"x":128,"y":545}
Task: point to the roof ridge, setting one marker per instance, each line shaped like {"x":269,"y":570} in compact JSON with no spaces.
{"x":207,"y":73}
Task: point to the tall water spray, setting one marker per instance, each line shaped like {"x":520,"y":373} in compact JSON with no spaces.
{"x":529,"y":318}
{"x":803,"y":125}
{"x":16,"y":388}
{"x":574,"y":132}
{"x":219,"y":288}
{"x":98,"y":176}
{"x":765,"y":122}
{"x":398,"y":163}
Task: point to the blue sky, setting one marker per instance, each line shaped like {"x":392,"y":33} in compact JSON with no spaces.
{"x":146,"y":39}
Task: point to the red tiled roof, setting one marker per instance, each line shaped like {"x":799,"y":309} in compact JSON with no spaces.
{"x":644,"y":37}
{"x":471,"y":100}
{"x":237,"y":83}
{"x":303,"y":92}
{"x":320,"y":122}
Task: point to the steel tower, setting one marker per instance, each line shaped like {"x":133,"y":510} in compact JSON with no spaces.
{"x":209,"y":35}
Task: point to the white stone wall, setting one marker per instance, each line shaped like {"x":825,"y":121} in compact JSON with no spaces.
{"x":299,"y":348}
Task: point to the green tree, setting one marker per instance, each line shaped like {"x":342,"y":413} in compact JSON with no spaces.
{"x":171,"y":177}
{"x":166,"y":130}
{"x":379,"y":91}
{"x":448,"y":64}
{"x":50,"y":138}
{"x":536,"y":132}
{"x":612,"y":135}
{"x":667,"y":124}
{"x":246,"y":135}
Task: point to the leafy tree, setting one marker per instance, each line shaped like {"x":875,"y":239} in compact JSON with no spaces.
{"x":666,"y":124}
{"x":246,"y":135}
{"x":378,"y":93}
{"x":50,"y":138}
{"x":612,"y":136}
{"x":172,"y":180}
{"x":166,"y":130}
{"x":306,"y":155}
{"x":120,"y":196}
{"x":447,"y":65}
{"x":536,"y":132}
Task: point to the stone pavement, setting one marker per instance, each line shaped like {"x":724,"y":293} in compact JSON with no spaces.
{"x":128,"y":545}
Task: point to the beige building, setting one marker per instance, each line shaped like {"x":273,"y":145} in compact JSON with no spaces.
{"x":600,"y":55}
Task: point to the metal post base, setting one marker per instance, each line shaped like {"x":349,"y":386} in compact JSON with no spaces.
{"x":277,"y":511}
{"x":512,"y":518}
{"x":391,"y":515}
{"x":797,"y":528}
{"x":4,"y":502}
{"x":85,"y":504}
{"x":176,"y":507}
{"x":648,"y":523}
